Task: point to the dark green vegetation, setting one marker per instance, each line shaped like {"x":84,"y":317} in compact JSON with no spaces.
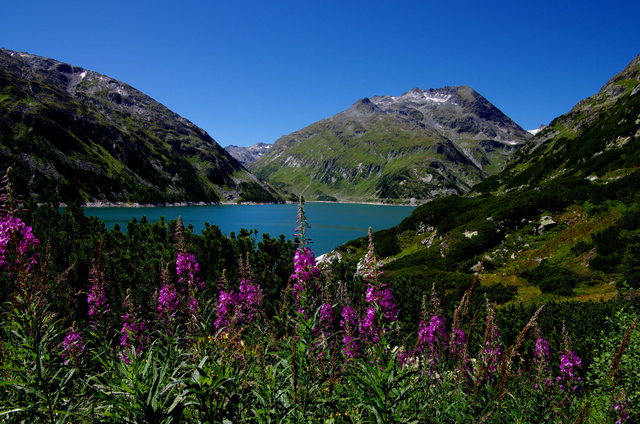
{"x":132,"y":260}
{"x":421,"y":145}
{"x":73,"y":135}
{"x":58,"y":364}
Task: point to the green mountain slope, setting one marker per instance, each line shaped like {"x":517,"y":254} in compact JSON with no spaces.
{"x":421,"y":145}
{"x":562,"y":221}
{"x":597,"y":139}
{"x":72,"y":134}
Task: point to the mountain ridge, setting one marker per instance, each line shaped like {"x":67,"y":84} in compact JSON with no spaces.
{"x":592,"y":140}
{"x":248,"y":155}
{"x":73,"y":134}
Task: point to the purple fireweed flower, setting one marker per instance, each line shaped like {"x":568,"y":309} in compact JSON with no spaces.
{"x":134,"y":330}
{"x":458,"y":351}
{"x":133,"y":334}
{"x":569,"y":361}
{"x":379,"y":296}
{"x":542,"y":359}
{"x":432,"y":336}
{"x":168,"y":303}
{"x":97,"y":299}
{"x":250,"y":301}
{"x":72,"y":346}
{"x":323,"y":329}
{"x":238,"y":308}
{"x":304,"y":289}
{"x":186,"y":268}
{"x":325,"y":318}
{"x":367,"y":324}
{"x":406,"y":357}
{"x":350,"y":348}
{"x":194,"y":307}
{"x":381,"y":307}
{"x":620,"y":408}
{"x":542,"y":350}
{"x":304,"y":266}
{"x":348,"y":324}
{"x":225,"y":314}
{"x":387,"y":304}
{"x":349,"y":317}
{"x":14,"y":232}
{"x":492,"y":349}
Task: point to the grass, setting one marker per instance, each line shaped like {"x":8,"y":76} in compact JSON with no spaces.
{"x":524,"y":250}
{"x":328,"y":160}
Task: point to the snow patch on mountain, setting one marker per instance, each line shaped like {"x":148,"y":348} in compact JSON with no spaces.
{"x":537,"y":130}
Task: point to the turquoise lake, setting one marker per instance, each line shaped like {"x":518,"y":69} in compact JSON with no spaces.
{"x":332,"y":224}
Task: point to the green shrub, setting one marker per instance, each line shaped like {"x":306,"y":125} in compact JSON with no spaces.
{"x":552,"y":279}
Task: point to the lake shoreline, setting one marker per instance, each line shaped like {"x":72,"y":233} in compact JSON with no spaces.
{"x":134,"y":205}
{"x":333,"y":224}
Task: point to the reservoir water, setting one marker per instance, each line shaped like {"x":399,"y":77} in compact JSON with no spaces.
{"x":332,"y":224}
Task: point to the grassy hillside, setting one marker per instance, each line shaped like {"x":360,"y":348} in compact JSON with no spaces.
{"x":573,"y":239}
{"x":418,"y":146}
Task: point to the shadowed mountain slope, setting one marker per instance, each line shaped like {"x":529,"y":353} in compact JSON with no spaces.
{"x":71,"y":134}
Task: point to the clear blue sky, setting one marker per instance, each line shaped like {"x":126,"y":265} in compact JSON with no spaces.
{"x":251,"y":71}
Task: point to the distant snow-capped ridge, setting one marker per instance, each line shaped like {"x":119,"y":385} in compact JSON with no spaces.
{"x":248,"y":155}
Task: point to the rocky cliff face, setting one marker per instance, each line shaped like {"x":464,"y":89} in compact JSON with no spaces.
{"x":420,"y":145}
{"x":71,"y":134}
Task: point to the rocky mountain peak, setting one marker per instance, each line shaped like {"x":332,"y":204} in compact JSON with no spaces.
{"x":419,"y":95}
{"x":456,"y":112}
{"x":247,"y":155}
{"x":421,"y":144}
{"x":363,"y":107}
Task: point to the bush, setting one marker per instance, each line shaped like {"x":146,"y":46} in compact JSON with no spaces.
{"x":552,"y":279}
{"x":326,"y":198}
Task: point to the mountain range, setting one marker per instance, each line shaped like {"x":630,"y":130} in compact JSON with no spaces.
{"x":74,"y":135}
{"x":553,"y":215}
{"x":420,"y":145}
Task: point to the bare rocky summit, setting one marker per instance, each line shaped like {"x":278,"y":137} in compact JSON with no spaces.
{"x":247,"y":155}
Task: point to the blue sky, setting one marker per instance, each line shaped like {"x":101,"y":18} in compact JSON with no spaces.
{"x":251,"y":71}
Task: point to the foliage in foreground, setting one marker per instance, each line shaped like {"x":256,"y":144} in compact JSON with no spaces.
{"x":333,"y":352}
